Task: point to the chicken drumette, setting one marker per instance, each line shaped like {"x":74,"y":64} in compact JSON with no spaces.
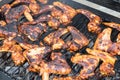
{"x":54,"y":40}
{"x":95,"y":21}
{"x":15,"y":13}
{"x":78,"y":39}
{"x":107,"y":67}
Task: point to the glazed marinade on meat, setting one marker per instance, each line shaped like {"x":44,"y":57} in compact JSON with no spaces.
{"x":22,"y":39}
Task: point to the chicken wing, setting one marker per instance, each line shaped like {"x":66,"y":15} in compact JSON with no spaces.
{"x":15,"y":13}
{"x":95,"y":21}
{"x":35,"y":56}
{"x":113,"y":25}
{"x":8,"y":31}
{"x":33,"y":32}
{"x":17,"y":54}
{"x":89,"y":63}
{"x":54,"y":39}
{"x":58,"y":65}
{"x":68,"y":12}
{"x":107,"y":67}
{"x":104,"y":43}
{"x":78,"y":39}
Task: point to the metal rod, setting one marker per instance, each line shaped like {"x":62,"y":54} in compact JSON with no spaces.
{"x":99,"y":7}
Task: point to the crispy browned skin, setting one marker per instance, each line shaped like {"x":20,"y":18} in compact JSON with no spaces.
{"x":8,"y":31}
{"x":68,"y":12}
{"x":89,"y":63}
{"x":23,"y":1}
{"x":112,"y":24}
{"x":17,"y":55}
{"x":15,"y":13}
{"x":104,"y":42}
{"x":58,"y":65}
{"x":34,"y":56}
{"x":16,"y":51}
{"x":64,"y":78}
{"x":33,"y":32}
{"x":107,"y":67}
{"x":78,"y":39}
{"x":95,"y":21}
{"x":34,"y":7}
{"x":54,"y":39}
{"x":43,"y":1}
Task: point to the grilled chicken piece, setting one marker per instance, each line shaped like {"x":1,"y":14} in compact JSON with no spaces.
{"x":34,"y":7}
{"x":15,"y":13}
{"x":16,"y":51}
{"x":104,"y":43}
{"x":23,"y":1}
{"x":113,"y":25}
{"x":64,"y":78}
{"x":68,"y":12}
{"x":107,"y":67}
{"x":58,"y":65}
{"x":33,"y":32}
{"x":54,"y":39}
{"x":35,"y":56}
{"x":43,"y":1}
{"x":78,"y":39}
{"x":8,"y":31}
{"x":89,"y":63}
{"x":17,"y":54}
{"x":95,"y":21}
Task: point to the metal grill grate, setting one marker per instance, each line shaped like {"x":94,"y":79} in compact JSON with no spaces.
{"x":80,"y":22}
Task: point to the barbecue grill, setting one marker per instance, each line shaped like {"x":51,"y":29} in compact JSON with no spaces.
{"x":9,"y":71}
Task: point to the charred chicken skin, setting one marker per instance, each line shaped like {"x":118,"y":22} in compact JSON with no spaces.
{"x":104,"y":43}
{"x":32,"y":31}
{"x":78,"y":39}
{"x":89,"y":63}
{"x":16,"y":51}
{"x":107,"y":67}
{"x":54,"y":39}
{"x":67,"y":15}
{"x":58,"y":65}
{"x":15,"y":13}
{"x":95,"y":21}
{"x":112,"y":25}
{"x":35,"y":56}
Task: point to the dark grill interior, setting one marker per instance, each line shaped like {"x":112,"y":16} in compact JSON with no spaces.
{"x":80,"y":22}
